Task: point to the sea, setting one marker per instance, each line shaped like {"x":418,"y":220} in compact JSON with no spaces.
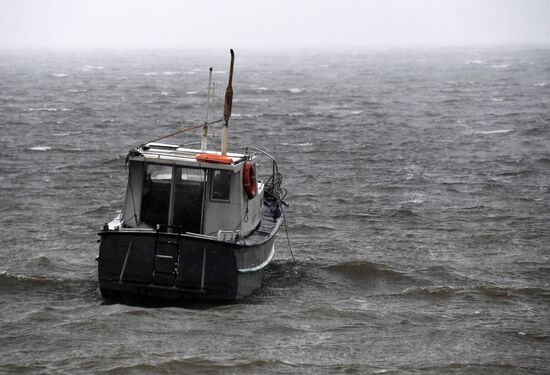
{"x":418,"y":226}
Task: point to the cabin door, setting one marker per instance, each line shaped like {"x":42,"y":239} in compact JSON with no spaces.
{"x":188,"y":193}
{"x":173,"y":198}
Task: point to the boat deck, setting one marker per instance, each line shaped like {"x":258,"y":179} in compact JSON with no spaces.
{"x":269,"y":225}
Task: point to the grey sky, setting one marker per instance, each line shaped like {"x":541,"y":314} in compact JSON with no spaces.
{"x":271,"y":23}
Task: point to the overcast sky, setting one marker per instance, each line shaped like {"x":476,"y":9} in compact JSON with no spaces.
{"x":87,"y":24}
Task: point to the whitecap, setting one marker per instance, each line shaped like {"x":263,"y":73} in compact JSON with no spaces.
{"x":170,"y":73}
{"x":164,"y":93}
{"x":40,"y":148}
{"x":88,"y":68}
{"x":150,"y":73}
{"x":77,"y":90}
{"x":294,"y":90}
{"x":44,"y":109}
{"x":356,"y":112}
{"x":191,"y":92}
{"x":475,"y":62}
{"x":59,"y":75}
{"x":500,"y":66}
{"x":261,"y":88}
{"x":219,"y":72}
{"x":498,"y":131}
{"x":306,"y":144}
{"x":414,"y":201}
{"x":540,"y":84}
{"x":497,"y":99}
{"x":297,"y":114}
{"x":251,"y":100}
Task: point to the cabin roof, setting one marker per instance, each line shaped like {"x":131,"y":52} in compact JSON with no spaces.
{"x":174,"y":154}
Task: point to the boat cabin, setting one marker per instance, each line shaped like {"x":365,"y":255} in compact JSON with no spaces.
{"x":170,"y":190}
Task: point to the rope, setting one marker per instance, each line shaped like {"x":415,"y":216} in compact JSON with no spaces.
{"x":273,"y":186}
{"x":275,"y":192}
{"x":288,"y":238}
{"x":183,"y":131}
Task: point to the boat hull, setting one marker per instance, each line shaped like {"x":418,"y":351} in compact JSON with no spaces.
{"x":179,"y":267}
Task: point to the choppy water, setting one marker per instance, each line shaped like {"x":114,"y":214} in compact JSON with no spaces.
{"x":419,"y":218}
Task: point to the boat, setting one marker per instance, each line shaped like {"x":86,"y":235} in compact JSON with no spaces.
{"x":196,"y":224}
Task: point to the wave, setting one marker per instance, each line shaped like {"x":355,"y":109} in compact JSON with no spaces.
{"x":484,"y":290}
{"x":544,"y":161}
{"x":248,"y":115}
{"x":498,"y":367}
{"x":10,"y":279}
{"x":364,"y":270}
{"x":498,"y":131}
{"x":306,"y":144}
{"x":49,"y":109}
{"x":203,"y":365}
{"x":404,"y":212}
{"x":535,"y":131}
{"x":91,"y":67}
{"x":40,"y":148}
{"x":413,"y":201}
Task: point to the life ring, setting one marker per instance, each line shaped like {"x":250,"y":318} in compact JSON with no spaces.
{"x":249,"y":180}
{"x":213,"y":158}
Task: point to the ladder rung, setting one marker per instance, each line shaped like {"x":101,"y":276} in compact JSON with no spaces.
{"x":165,"y":256}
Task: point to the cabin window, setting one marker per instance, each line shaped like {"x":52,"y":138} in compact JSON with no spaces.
{"x":172,"y":197}
{"x":221,"y":184}
{"x":156,"y":194}
{"x":188,"y":192}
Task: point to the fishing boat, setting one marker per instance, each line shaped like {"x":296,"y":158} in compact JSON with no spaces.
{"x":196,"y":223}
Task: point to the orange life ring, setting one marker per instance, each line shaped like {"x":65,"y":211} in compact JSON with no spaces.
{"x":213,"y":158}
{"x":249,"y":180}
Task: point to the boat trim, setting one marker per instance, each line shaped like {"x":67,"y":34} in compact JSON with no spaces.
{"x":262,"y":265}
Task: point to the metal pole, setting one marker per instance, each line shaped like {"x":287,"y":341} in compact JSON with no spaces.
{"x":204,"y":141}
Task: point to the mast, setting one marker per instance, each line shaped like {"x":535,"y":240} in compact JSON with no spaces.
{"x":227,"y":106}
{"x":204,"y":140}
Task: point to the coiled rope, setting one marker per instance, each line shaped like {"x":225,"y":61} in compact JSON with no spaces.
{"x":275,"y":192}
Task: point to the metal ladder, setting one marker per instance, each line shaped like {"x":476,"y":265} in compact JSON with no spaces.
{"x":166,"y":261}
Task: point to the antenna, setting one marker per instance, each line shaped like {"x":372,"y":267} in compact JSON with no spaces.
{"x":227,"y":106}
{"x":204,"y":140}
